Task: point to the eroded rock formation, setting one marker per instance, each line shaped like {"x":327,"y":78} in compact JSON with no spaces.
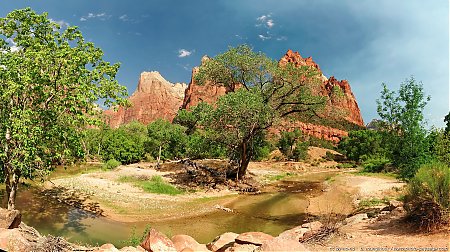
{"x":154,"y":98}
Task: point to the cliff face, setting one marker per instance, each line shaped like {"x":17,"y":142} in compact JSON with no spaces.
{"x":153,"y":99}
{"x":339,"y":93}
{"x":208,"y":92}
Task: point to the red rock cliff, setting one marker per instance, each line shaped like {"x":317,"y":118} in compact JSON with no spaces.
{"x":208,"y":92}
{"x":154,"y":98}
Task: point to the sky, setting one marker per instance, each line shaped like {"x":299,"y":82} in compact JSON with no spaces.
{"x":367,"y":42}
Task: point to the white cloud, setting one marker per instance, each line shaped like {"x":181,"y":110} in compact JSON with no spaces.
{"x":262,"y":37}
{"x":62,"y":23}
{"x":265,"y":20}
{"x":184,"y":53}
{"x":124,"y":17}
{"x":101,"y":16}
{"x":13,"y":45}
{"x":282,"y":38}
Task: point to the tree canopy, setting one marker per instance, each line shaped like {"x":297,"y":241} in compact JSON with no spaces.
{"x":265,"y":92}
{"x":50,"y":81}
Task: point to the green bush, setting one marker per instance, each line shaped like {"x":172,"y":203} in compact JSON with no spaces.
{"x":362,"y":144}
{"x":427,"y":201}
{"x":301,"y":151}
{"x":376,"y":164}
{"x":111,"y":164}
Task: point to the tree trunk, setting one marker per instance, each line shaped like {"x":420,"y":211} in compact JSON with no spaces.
{"x":11,"y":182}
{"x":245,"y":160}
{"x":159,"y":156}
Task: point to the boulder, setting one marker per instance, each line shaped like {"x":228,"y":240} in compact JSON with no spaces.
{"x":294,"y":233}
{"x":10,"y":218}
{"x":185,"y":242}
{"x":282,"y":244}
{"x":14,"y":240}
{"x":157,"y":241}
{"x":222,"y":241}
{"x":313,"y":228}
{"x":256,"y":238}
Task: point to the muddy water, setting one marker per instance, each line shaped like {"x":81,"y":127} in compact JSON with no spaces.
{"x":269,"y":212}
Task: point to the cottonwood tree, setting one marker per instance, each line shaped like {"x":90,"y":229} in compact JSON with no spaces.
{"x":50,"y":79}
{"x":403,"y":123}
{"x":269,"y":92}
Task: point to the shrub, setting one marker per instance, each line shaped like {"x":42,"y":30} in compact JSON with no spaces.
{"x":376,"y":164}
{"x":111,"y":164}
{"x":427,"y":200}
{"x":301,"y":151}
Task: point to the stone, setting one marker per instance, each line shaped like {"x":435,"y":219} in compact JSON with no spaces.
{"x":282,"y":244}
{"x":242,"y":248}
{"x":141,"y":249}
{"x":294,"y":233}
{"x":356,"y":219}
{"x":186,"y":242}
{"x":10,"y":218}
{"x":155,"y":98}
{"x":222,"y":241}
{"x":157,"y":241}
{"x":14,"y":240}
{"x":256,"y":238}
{"x":128,"y":249}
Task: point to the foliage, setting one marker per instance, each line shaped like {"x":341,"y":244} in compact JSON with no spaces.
{"x":111,"y":164}
{"x":266,"y":91}
{"x":361,"y":145}
{"x":447,"y":123}
{"x":441,"y":147}
{"x":50,"y":80}
{"x":427,"y":201}
{"x":319,"y":142}
{"x":405,"y":135}
{"x":194,"y":117}
{"x":287,"y":142}
{"x":202,"y":145}
{"x":166,"y":140}
{"x":238,"y":121}
{"x":375,"y":164}
{"x":153,"y":185}
{"x":135,"y":239}
{"x":367,"y":203}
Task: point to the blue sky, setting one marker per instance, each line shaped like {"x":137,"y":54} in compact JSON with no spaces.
{"x":364,"y":41}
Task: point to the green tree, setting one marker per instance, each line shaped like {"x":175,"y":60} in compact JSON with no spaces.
{"x":447,"y":121}
{"x":270,"y":89}
{"x":362,"y":144}
{"x":403,"y":123}
{"x":194,"y":117}
{"x":287,"y":142}
{"x":50,"y":80}
{"x":166,"y":140}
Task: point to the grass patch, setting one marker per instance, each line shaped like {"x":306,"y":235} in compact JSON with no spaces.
{"x":280,"y":176}
{"x":389,"y":175}
{"x":153,"y":185}
{"x":367,"y":203}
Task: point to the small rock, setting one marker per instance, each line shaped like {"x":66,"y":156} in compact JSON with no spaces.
{"x":256,"y":238}
{"x":107,"y":247}
{"x":395,"y":203}
{"x":356,"y":219}
{"x":157,"y":241}
{"x":281,"y":244}
{"x":9,"y":218}
{"x":242,"y":248}
{"x":128,"y":249}
{"x":140,"y":249}
{"x":222,"y":241}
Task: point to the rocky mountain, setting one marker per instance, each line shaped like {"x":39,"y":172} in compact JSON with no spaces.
{"x":157,"y":98}
{"x":154,"y":98}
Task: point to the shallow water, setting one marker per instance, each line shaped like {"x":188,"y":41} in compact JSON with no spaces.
{"x":271,"y":213}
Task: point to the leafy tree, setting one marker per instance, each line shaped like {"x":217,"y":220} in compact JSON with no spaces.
{"x":166,"y":140}
{"x":50,"y":80}
{"x":194,"y":117}
{"x":447,"y":121}
{"x":362,"y":144}
{"x":287,"y":142}
{"x":402,"y":116}
{"x":272,"y":90}
{"x":125,"y":144}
